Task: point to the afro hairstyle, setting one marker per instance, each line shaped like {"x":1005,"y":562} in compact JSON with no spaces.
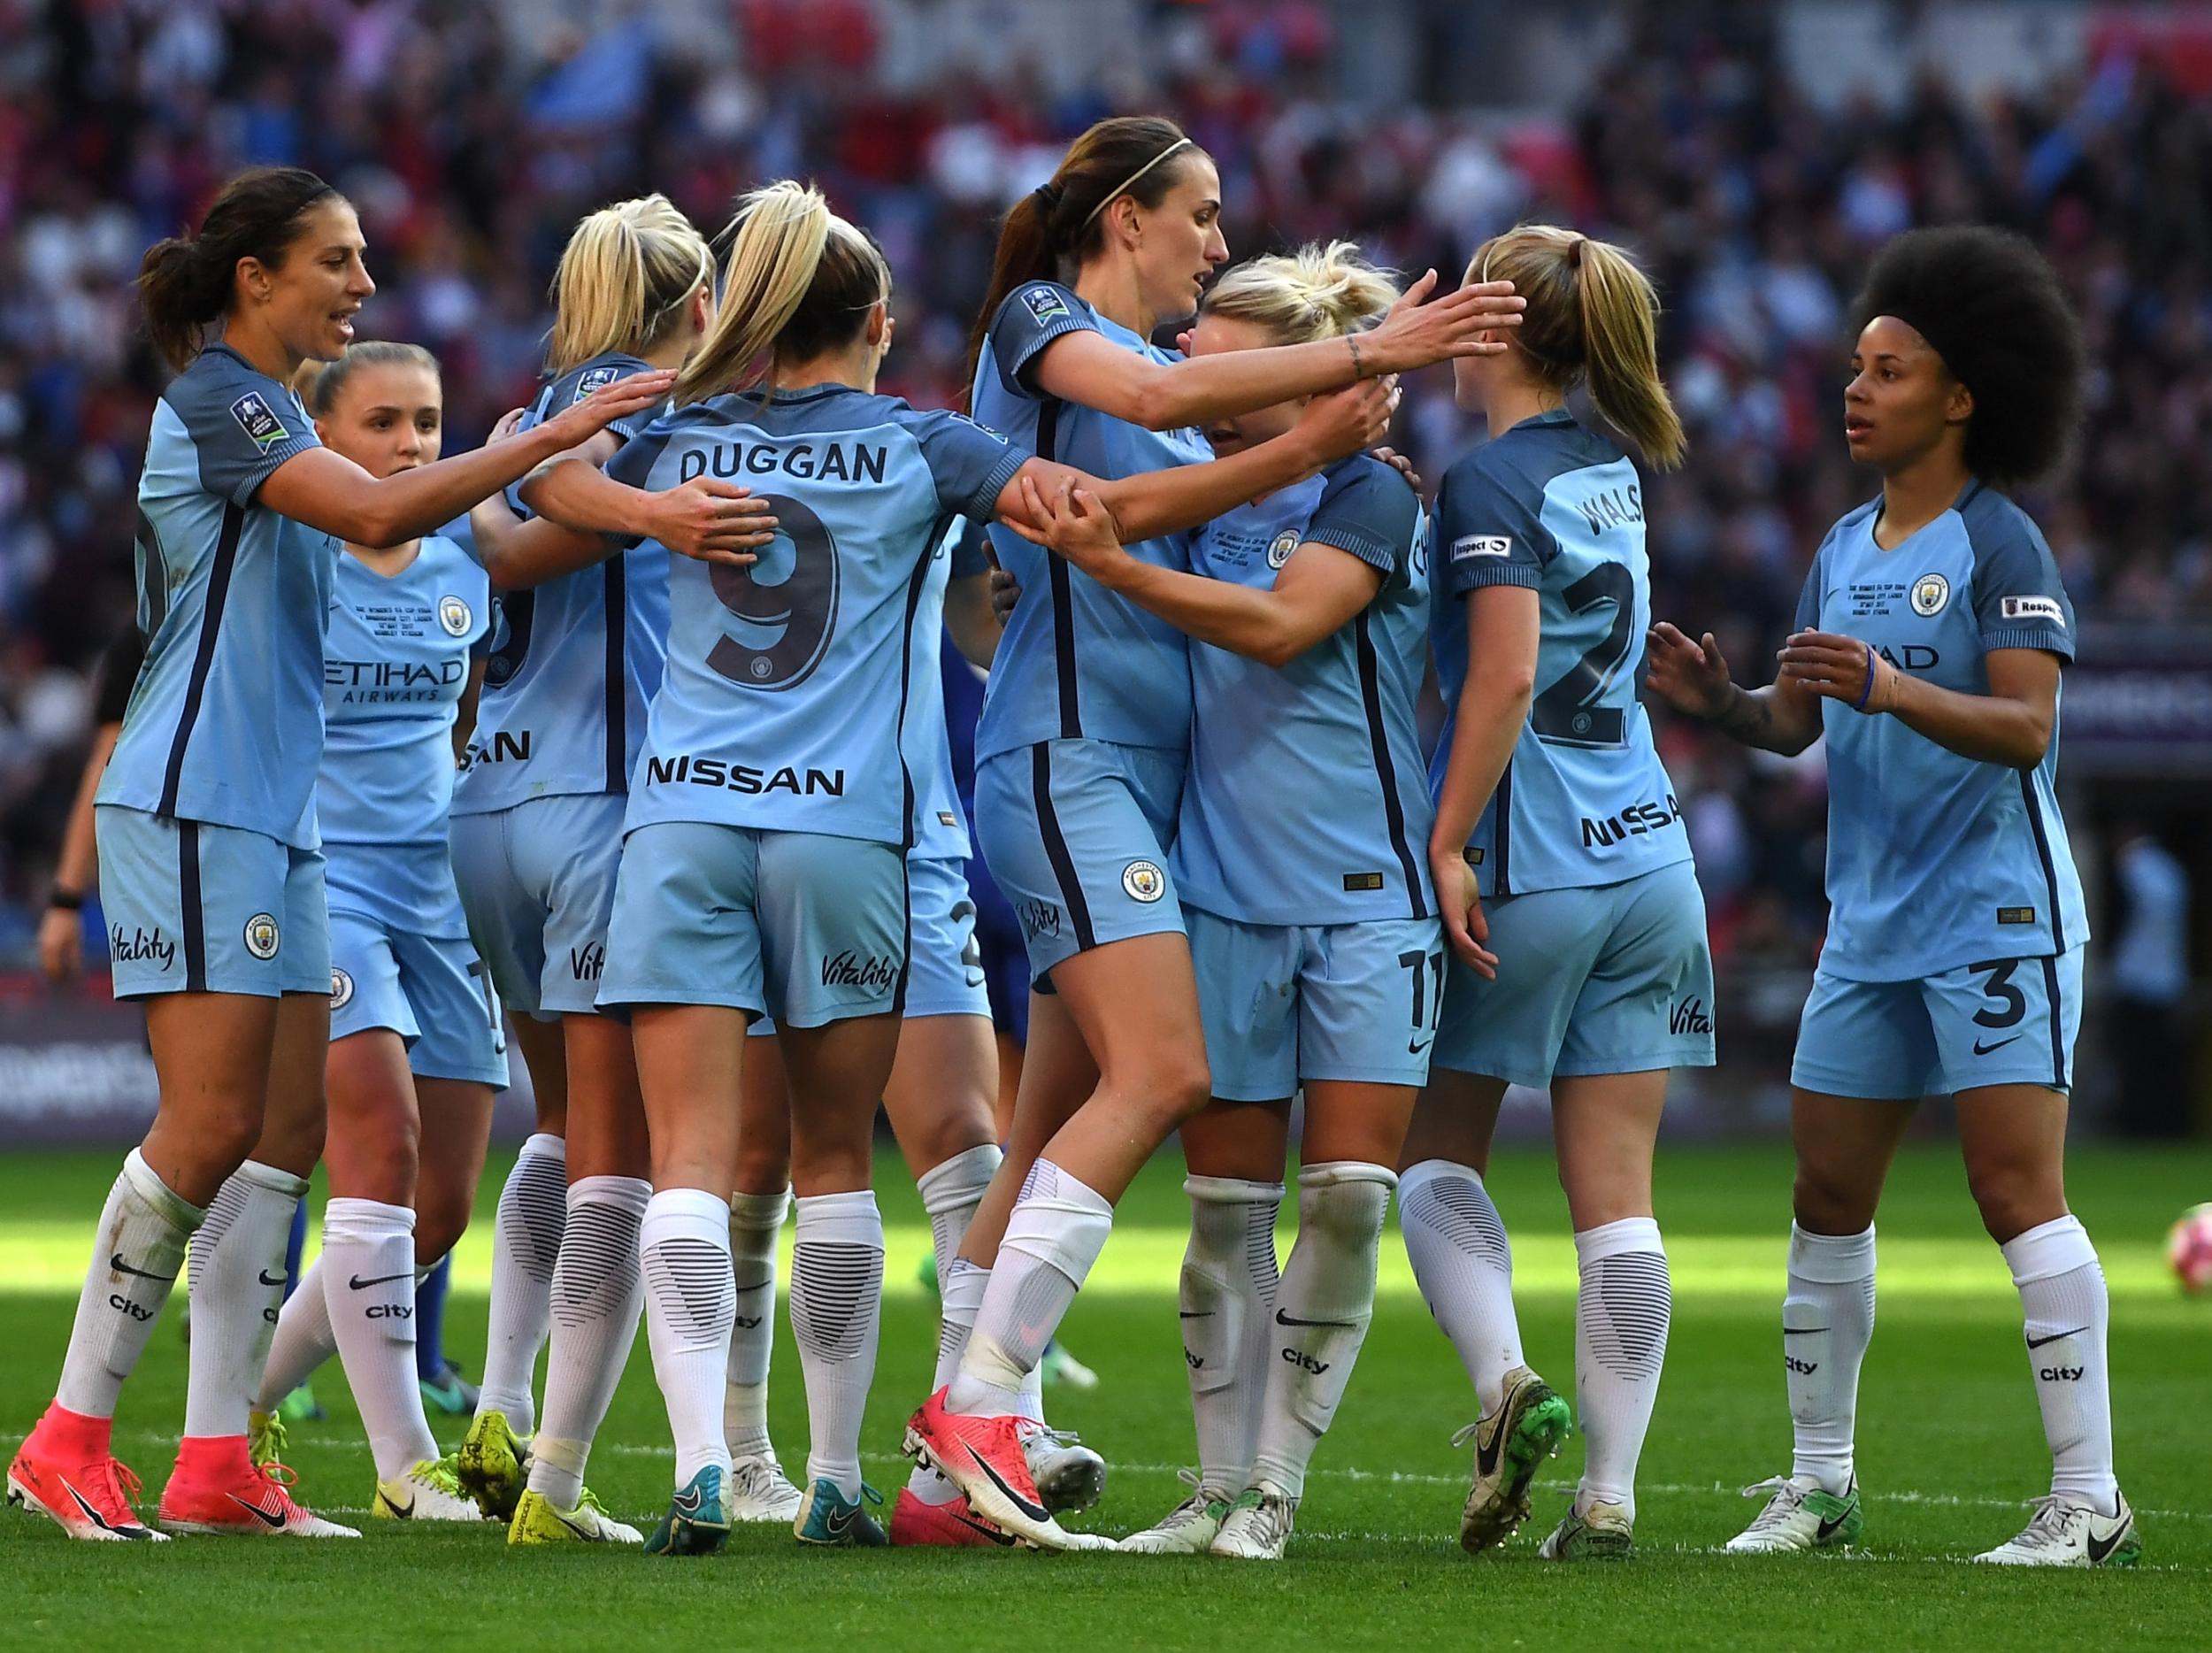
{"x":1989,"y":304}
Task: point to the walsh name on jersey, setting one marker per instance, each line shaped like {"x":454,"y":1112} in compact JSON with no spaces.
{"x":686,"y":770}
{"x":833,"y":462}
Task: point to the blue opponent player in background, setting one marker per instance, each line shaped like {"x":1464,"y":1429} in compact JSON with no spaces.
{"x":1563,"y":870}
{"x":1928,"y":650}
{"x":212,"y":869}
{"x":415,"y":1050}
{"x":1313,"y":928}
{"x":537,"y":830}
{"x":1085,"y":726}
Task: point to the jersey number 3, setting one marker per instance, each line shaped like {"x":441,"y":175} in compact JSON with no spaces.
{"x":794,"y":619}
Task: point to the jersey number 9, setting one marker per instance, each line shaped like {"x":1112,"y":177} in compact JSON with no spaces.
{"x":802,"y":605}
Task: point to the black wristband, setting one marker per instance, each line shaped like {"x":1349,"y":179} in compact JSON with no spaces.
{"x":65,"y":900}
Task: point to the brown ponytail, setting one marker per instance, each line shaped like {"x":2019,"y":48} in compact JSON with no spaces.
{"x":1059,"y":224}
{"x":186,"y":283}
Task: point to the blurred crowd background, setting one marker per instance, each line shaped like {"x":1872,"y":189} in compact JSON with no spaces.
{"x":1754,"y":154}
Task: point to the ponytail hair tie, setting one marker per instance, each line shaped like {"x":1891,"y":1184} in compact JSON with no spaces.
{"x":1047,"y":194}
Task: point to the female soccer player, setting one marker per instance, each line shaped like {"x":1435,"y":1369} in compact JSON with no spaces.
{"x":207,"y":833}
{"x":1082,"y":748}
{"x":1929,"y":642}
{"x":765,"y":864}
{"x":537,"y":830}
{"x":1313,"y":924}
{"x":1588,"y":971}
{"x":415,"y":1050}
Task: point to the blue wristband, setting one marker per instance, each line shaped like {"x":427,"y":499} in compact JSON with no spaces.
{"x":1867,"y":693}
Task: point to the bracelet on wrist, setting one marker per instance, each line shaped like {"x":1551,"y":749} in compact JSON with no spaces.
{"x":65,"y":900}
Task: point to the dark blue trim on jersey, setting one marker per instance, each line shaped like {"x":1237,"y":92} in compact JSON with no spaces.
{"x":1056,"y":847}
{"x":1502,"y":837}
{"x":203,"y":654}
{"x":189,"y":904}
{"x":2058,"y":1030}
{"x":914,"y":586}
{"x":1379,"y":744}
{"x":906,"y":921}
{"x":617,"y":695}
{"x":2043,"y":854}
{"x":1061,"y":582}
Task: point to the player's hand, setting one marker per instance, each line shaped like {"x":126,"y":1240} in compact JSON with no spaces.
{"x":61,"y":945}
{"x":712,"y":522}
{"x":1690,"y":676}
{"x":1414,"y":332}
{"x":1071,"y":521}
{"x":1838,"y":668}
{"x":1465,"y":924}
{"x":1004,"y":594}
{"x":580,"y":421}
{"x":1348,"y":422}
{"x":510,"y":422}
{"x":1399,"y":463}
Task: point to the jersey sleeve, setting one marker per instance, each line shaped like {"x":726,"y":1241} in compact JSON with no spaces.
{"x":243,"y":424}
{"x":1369,"y":511}
{"x":2019,"y":601}
{"x":1032,"y":315}
{"x":1807,"y":617}
{"x":971,"y":465}
{"x":1489,"y":534}
{"x":565,"y":394}
{"x":971,"y":549}
{"x":118,"y":670}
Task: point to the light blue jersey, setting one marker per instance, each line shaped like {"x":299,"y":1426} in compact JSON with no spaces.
{"x":226,"y":720}
{"x":1936,"y":860}
{"x":1077,"y":661}
{"x":394,"y":664}
{"x":1584,"y":800}
{"x":575,"y":662}
{"x":941,"y":825}
{"x":1307,"y":802}
{"x":790,"y":684}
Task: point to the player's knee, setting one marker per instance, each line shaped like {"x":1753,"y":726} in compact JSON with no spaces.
{"x":2014,"y":1198}
{"x":1827,"y":1201}
{"x":1169,"y":1086}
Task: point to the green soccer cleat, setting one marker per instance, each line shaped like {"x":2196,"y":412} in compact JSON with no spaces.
{"x":697,"y":1522}
{"x":1600,"y":1532}
{"x":537,"y":1522}
{"x":1798,"y":1516}
{"x":452,"y":1396}
{"x":826,"y":1519}
{"x":927,"y":1274}
{"x":492,"y":1465}
{"x":1528,"y":1426}
{"x":301,"y":1406}
{"x":1060,"y":1367}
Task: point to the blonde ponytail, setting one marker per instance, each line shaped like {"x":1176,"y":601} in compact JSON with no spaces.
{"x":1317,"y":292}
{"x":624,"y":279}
{"x":799,"y":280}
{"x":1592,"y":317}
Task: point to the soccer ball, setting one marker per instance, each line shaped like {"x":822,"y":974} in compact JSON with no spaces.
{"x":2189,"y":1249}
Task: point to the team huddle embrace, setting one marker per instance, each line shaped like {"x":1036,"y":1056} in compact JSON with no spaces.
{"x":653,"y":750}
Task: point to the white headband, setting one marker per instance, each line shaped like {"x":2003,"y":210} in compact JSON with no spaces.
{"x":1130,"y":182}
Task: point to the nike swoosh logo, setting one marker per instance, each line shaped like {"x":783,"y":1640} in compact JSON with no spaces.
{"x":257,"y":1512}
{"x":1828,"y":1529}
{"x":277,"y":1280}
{"x":404,"y":1512}
{"x":688,"y":1503}
{"x":838,"y":1527}
{"x":1801,"y":1331}
{"x":357,"y":1284}
{"x":2038,"y":1342}
{"x":1984,"y":1050}
{"x":1414,"y":1047}
{"x":1004,"y":1539}
{"x":1034,"y":1511}
{"x":584,"y":1533}
{"x":94,"y":1517}
{"x":1290,"y":1319}
{"x":1486,"y":1456}
{"x":121,"y":1267}
{"x":757,"y":1285}
{"x":2099,"y":1551}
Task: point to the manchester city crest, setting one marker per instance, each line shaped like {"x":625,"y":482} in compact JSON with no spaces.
{"x":1280,"y":549}
{"x":1142,"y":881}
{"x":1929,"y":593}
{"x":262,"y":936}
{"x":454,"y":615}
{"x":340,"y":989}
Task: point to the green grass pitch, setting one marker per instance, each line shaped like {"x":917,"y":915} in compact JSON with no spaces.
{"x":1950,"y":1452}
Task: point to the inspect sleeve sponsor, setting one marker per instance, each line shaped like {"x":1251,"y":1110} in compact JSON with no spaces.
{"x":2033,"y":608}
{"x":1481,"y":545}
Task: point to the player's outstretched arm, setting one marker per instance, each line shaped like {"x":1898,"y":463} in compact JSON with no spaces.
{"x":1691,"y":675}
{"x":2011,"y":725}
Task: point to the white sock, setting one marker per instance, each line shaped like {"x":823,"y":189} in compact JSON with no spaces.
{"x":690,"y":1299}
{"x":756,"y":1221}
{"x":368,"y":1279}
{"x":145,"y":1228}
{"x":1827,"y":1322}
{"x":597,"y":1297}
{"x":960,"y":1286}
{"x":237,"y":1274}
{"x":1057,"y":1229}
{"x":1464,"y":1263}
{"x":951,"y":1192}
{"x":836,"y":1314}
{"x":1621,"y":1316}
{"x":2062,"y":1295}
{"x":1227,"y":1292}
{"x":1322,"y":1310}
{"x":302,"y":1343}
{"x":525,"y":1248}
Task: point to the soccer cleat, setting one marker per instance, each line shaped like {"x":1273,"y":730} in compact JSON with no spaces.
{"x":1601,"y":1533}
{"x":983,"y":1457}
{"x":697,"y":1522}
{"x":428,"y":1492}
{"x":760,"y":1491}
{"x":2068,"y":1531}
{"x":916,"y":1525}
{"x":1069,"y":1475}
{"x":1059,"y":1367}
{"x":1257,"y":1527}
{"x":1186,"y":1529}
{"x":217,"y":1489}
{"x":265,"y":1436}
{"x":1528,"y":1426}
{"x":829,"y":1519}
{"x":492,"y":1465}
{"x":66,"y":1473}
{"x":1799,"y":1515}
{"x":450,"y":1394}
{"x":301,"y":1406}
{"x":537,"y":1521}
